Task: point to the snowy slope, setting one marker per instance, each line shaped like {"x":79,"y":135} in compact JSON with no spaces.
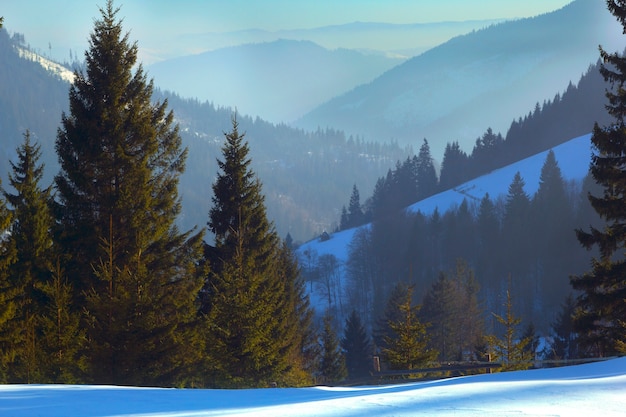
{"x":596,"y":389}
{"x":573,"y":158}
{"x":56,"y":69}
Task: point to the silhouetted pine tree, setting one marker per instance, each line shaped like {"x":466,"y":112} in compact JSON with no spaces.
{"x":565,"y":343}
{"x":426,"y":174}
{"x":121,"y":158}
{"x":442,"y":309}
{"x":516,"y":233}
{"x":333,"y":364}
{"x":356,"y":346}
{"x":454,"y":167}
{"x":552,"y":218}
{"x":601,"y":307}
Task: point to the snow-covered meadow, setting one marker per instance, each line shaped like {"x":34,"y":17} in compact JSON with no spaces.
{"x":595,"y":389}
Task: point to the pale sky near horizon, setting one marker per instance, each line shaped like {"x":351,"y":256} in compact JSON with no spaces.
{"x":66,"y":24}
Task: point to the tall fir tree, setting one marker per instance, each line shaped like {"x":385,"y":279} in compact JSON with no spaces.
{"x":451,"y":307}
{"x":442,"y":309}
{"x":600,"y":317}
{"x":552,"y":218}
{"x":252,"y":318}
{"x":333,"y":363}
{"x":427,"y":182}
{"x":30,"y":238}
{"x":356,"y":347}
{"x":134,"y":273}
{"x":511,"y":350}
{"x":565,"y":339}
{"x":62,"y":337}
{"x":515,"y":229}
{"x":408,"y":349}
{"x":355,"y":212}
{"x":9,"y":296}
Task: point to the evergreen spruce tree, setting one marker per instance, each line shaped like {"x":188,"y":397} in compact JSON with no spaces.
{"x":442,"y":309}
{"x":408,"y":349}
{"x":488,"y":230}
{"x":31,"y":243}
{"x":453,"y":167}
{"x":600,"y":318}
{"x":133,"y":272}
{"x":391,"y":314}
{"x":426,"y":174}
{"x":565,"y":343}
{"x":9,"y":295}
{"x":31,"y":240}
{"x":452,"y":309}
{"x":252,"y":317}
{"x":552,"y":218}
{"x":356,"y":347}
{"x":333,"y":364}
{"x":511,"y":350}
{"x":517,"y":234}
{"x":355,"y":212}
{"x":62,"y":338}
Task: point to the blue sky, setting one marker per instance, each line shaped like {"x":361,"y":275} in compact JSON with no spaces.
{"x":62,"y":25}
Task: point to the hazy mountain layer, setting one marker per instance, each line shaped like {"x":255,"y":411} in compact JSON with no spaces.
{"x":483,"y":79}
{"x":278,"y":81}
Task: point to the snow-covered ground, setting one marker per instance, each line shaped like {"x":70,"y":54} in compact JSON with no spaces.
{"x":54,"y":68}
{"x":597,"y":389}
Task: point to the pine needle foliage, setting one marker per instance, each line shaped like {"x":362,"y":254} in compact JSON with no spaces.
{"x":333,"y":364}
{"x":600,"y":317}
{"x":357,"y":347}
{"x":134,"y":273}
{"x":511,"y":350}
{"x":253,"y":296}
{"x":31,"y":242}
{"x":408,"y":349}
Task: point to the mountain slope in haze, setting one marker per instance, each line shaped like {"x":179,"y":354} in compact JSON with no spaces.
{"x":278,"y":81}
{"x":483,"y":79}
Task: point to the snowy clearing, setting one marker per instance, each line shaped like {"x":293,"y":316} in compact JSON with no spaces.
{"x":583,"y":390}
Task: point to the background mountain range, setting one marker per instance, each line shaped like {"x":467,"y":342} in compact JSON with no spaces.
{"x":486,"y":78}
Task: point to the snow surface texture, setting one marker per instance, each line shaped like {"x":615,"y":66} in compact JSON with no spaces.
{"x":596,"y":389}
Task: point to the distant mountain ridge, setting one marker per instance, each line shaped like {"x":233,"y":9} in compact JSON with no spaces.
{"x":403,"y":39}
{"x":279,"y":81}
{"x":486,"y":78}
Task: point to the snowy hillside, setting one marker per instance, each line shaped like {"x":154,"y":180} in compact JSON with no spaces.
{"x":56,"y":69}
{"x":573,"y":158}
{"x":583,"y":390}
